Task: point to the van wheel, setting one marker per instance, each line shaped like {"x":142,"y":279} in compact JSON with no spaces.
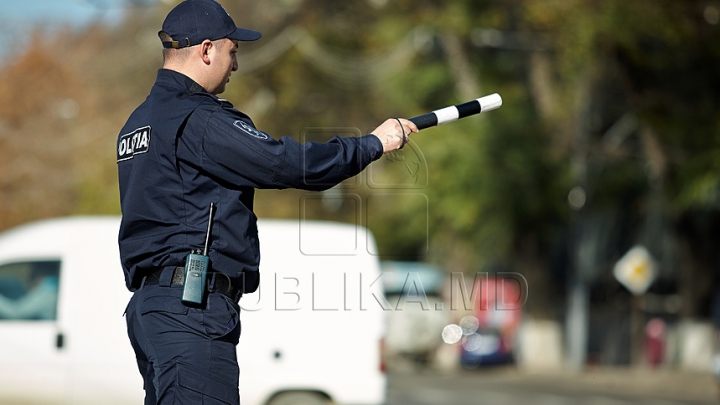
{"x":300,"y":398}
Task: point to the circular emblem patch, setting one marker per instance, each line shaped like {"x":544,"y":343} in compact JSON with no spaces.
{"x":250,"y":130}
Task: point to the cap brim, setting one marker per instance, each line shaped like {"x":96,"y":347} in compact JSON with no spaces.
{"x":242,"y":34}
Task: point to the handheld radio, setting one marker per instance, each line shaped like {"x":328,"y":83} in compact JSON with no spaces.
{"x":196,"y":268}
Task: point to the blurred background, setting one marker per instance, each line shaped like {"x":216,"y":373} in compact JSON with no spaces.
{"x":595,"y":188}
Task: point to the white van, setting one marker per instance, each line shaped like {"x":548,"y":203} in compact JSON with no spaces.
{"x":311,"y":334}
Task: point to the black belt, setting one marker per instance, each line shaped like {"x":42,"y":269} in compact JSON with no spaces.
{"x":216,"y":282}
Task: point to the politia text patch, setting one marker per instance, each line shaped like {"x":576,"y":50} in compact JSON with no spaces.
{"x":134,"y":143}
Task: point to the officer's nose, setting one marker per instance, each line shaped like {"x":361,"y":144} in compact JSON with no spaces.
{"x":235,"y":64}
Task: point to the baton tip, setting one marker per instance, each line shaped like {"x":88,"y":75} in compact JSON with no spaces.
{"x":490,"y":102}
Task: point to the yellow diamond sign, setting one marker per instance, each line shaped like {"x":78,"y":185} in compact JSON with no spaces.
{"x":636,"y":270}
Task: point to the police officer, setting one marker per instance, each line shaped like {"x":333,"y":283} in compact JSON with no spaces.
{"x":182,"y":149}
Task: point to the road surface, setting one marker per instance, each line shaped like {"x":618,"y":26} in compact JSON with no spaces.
{"x":510,"y":387}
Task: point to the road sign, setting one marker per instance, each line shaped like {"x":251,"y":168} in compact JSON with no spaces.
{"x":636,"y":270}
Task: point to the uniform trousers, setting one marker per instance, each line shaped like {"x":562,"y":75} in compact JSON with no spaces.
{"x":186,"y":355}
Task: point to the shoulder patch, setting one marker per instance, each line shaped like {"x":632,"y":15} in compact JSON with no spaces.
{"x":133,"y":143}
{"x":250,"y":130}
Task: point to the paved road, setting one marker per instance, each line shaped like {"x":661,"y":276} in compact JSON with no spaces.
{"x":510,"y":388}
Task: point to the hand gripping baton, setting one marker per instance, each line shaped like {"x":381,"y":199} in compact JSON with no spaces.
{"x":455,"y":112}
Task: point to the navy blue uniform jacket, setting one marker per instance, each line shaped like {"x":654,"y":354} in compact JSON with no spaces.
{"x":184,"y":148}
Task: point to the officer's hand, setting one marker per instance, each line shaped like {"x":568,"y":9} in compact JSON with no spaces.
{"x":394,"y":133}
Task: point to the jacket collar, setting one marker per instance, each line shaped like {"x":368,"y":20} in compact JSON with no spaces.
{"x":176,"y":79}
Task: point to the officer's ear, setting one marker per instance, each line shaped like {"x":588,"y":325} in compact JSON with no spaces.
{"x":206,"y":47}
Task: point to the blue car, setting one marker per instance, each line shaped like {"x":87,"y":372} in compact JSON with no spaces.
{"x":485,"y":347}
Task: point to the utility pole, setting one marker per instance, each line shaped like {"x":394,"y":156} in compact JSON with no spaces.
{"x":578,"y":297}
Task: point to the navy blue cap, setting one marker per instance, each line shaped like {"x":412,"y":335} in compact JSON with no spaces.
{"x":194,"y":21}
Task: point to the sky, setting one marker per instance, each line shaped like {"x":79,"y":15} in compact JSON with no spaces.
{"x":17,"y":16}
{"x":59,"y":12}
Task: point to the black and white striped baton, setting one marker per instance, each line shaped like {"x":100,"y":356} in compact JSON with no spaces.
{"x":455,"y":112}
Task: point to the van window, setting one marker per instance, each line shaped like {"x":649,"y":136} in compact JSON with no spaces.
{"x":29,"y":290}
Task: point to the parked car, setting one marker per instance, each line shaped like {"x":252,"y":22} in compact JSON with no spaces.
{"x":485,"y":347}
{"x":489,"y":333}
{"x":417,"y":313}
